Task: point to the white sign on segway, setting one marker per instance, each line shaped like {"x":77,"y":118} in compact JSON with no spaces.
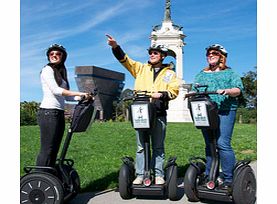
{"x":199,"y":113}
{"x":140,"y":116}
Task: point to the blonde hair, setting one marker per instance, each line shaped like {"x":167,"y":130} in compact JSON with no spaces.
{"x":222,"y":63}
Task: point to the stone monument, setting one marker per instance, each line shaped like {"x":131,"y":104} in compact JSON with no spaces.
{"x":172,"y":37}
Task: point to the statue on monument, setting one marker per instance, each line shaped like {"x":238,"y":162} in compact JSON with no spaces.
{"x":167,"y":15}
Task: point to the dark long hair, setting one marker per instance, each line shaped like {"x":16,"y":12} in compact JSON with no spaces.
{"x":59,"y":73}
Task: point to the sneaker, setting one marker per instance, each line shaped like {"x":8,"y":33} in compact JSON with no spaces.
{"x":219,"y":181}
{"x":159,"y":180}
{"x":138,"y":180}
{"x":225,"y":186}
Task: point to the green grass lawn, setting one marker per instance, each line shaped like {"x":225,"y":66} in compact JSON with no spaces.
{"x":97,"y":153}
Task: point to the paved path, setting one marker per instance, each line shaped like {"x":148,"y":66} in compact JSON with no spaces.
{"x":113,"y":197}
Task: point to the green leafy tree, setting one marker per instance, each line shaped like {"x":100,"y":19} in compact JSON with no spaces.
{"x":121,"y":107}
{"x":250,"y":89}
{"x":247,"y":112}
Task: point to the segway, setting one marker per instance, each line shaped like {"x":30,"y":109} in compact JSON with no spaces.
{"x":55,"y":185}
{"x":243,"y":189}
{"x":143,"y":117}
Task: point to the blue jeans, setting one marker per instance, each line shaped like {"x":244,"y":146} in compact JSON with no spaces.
{"x":52,"y":125}
{"x":158,"y":156}
{"x":224,"y":135}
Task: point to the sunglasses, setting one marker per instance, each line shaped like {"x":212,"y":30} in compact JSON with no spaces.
{"x":55,"y":53}
{"x":154,"y":52}
{"x":213,"y":53}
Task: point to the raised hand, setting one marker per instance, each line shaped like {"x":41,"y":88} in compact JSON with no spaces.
{"x":111,"y":41}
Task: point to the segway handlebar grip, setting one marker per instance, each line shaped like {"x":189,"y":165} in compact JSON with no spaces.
{"x":137,"y":94}
{"x":128,"y":98}
{"x":199,"y":93}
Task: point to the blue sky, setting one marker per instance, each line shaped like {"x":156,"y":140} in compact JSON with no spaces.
{"x":81,"y":27}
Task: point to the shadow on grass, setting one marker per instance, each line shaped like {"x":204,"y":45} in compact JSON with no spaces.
{"x":96,"y":188}
{"x":182,"y":170}
{"x":102,"y":183}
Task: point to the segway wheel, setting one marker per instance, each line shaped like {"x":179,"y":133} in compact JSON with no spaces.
{"x":74,"y":185}
{"x":125,"y":182}
{"x":40,"y":188}
{"x":190,"y":182}
{"x":76,"y":182}
{"x":172,"y":183}
{"x":244,"y":187}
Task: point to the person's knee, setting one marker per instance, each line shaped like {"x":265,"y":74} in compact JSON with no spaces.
{"x":48,"y":152}
{"x":224,"y":145}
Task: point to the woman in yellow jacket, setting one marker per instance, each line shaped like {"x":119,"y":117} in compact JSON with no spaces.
{"x":161,"y":81}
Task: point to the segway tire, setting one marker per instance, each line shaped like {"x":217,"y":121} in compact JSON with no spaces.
{"x":74,"y":185}
{"x":172,"y":183}
{"x":76,"y":182}
{"x":244,"y":186}
{"x":125,"y":182}
{"x":39,"y":188}
{"x":190,"y":184}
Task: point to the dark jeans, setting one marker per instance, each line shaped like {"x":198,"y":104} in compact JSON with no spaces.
{"x":52,"y":125}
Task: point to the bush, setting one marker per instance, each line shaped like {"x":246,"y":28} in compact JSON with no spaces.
{"x":26,"y":118}
{"x":28,"y":113}
{"x":120,"y":118}
{"x":245,"y":115}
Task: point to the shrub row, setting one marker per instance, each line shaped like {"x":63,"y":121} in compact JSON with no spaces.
{"x":245,"y":115}
{"x":28,"y":115}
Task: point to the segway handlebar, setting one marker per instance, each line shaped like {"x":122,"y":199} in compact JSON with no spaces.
{"x":200,"y":93}
{"x":137,"y":94}
{"x":90,"y":96}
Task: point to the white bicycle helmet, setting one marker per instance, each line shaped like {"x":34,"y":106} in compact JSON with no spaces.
{"x":160,"y":48}
{"x":218,"y":47}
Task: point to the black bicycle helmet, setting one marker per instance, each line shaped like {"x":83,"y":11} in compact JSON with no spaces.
{"x":59,"y":48}
{"x":217,"y":47}
{"x":160,"y":48}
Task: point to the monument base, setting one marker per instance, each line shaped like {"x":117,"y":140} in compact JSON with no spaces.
{"x":178,"y":109}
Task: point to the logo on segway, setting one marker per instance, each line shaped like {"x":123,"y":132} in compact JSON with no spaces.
{"x":140,"y":116}
{"x":199,"y":113}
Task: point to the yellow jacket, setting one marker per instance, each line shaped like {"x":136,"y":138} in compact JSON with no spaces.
{"x":166,"y":80}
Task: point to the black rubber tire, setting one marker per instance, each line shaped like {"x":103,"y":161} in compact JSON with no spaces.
{"x":244,"y":186}
{"x":74,"y":180}
{"x":172,"y":183}
{"x":39,"y":188}
{"x":190,"y":184}
{"x":125,"y":182}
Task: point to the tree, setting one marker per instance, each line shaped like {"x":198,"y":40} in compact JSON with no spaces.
{"x":121,"y":107}
{"x":250,"y":88}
